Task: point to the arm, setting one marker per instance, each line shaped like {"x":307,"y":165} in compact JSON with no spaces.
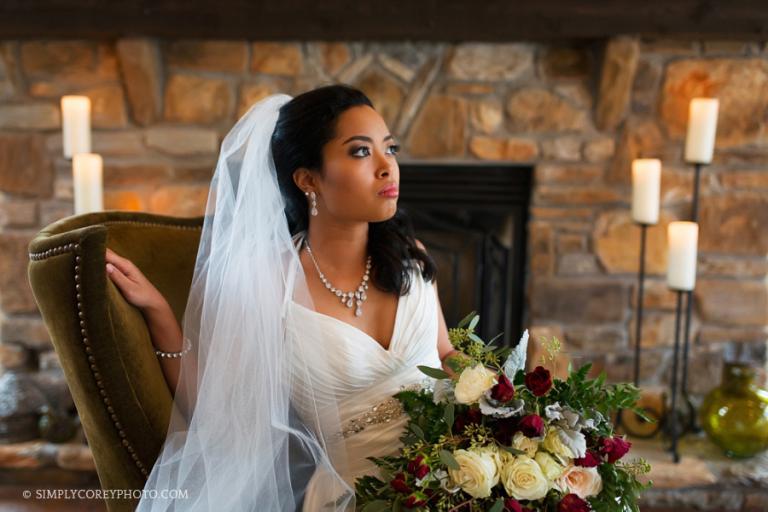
{"x":445,"y":349}
{"x":166,"y":335}
{"x":163,"y":328}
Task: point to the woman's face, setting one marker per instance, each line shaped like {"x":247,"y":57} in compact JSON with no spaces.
{"x":357,"y":165}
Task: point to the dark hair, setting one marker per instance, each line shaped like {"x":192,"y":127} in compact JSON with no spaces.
{"x":305,"y":124}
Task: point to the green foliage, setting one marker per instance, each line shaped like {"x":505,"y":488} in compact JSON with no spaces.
{"x":430,"y":433}
{"x":620,"y":489}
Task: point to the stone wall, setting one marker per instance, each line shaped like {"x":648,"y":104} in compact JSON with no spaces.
{"x":579,"y":113}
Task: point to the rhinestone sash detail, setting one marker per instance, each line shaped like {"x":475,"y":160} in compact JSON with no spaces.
{"x":383,"y":412}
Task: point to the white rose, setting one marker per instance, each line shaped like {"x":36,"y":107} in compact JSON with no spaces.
{"x":473,"y":382}
{"x":553,"y":443}
{"x":549,"y":466}
{"x":583,"y":482}
{"x":477,"y":473}
{"x":523,"y":479}
{"x":495,"y":454}
{"x":528,"y":444}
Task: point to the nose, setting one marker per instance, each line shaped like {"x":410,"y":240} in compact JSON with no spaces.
{"x":386,"y":167}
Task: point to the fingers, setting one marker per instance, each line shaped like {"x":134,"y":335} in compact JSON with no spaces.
{"x":124,"y":265}
{"x":117,"y":275}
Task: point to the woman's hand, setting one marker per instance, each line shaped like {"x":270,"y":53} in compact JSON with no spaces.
{"x":136,"y":288}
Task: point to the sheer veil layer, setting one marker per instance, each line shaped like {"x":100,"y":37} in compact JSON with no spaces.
{"x":248,"y":429}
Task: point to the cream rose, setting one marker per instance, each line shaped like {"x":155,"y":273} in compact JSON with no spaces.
{"x":495,"y":454}
{"x":583,"y":482}
{"x":554,"y":444}
{"x":549,"y":466}
{"x":477,"y":473}
{"x":523,"y":479}
{"x":522,"y":442}
{"x":473,"y":382}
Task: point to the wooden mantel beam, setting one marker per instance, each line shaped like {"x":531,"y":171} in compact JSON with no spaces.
{"x":390,"y":20}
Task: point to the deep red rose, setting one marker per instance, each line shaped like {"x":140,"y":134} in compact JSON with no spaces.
{"x":399,"y":484}
{"x":539,"y":381}
{"x":504,"y":391}
{"x":414,"y":464}
{"x":472,"y":416}
{"x":532,"y":425}
{"x":590,"y":460}
{"x":572,"y":503}
{"x":513,"y":505}
{"x":414,"y":501}
{"x":422,"y":471}
{"x":614,"y":448}
{"x":504,"y":430}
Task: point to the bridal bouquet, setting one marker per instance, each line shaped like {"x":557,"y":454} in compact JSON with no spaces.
{"x":494,"y":438}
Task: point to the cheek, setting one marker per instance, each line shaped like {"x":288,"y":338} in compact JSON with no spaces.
{"x":347,"y":185}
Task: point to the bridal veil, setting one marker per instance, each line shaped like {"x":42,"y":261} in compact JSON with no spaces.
{"x":237,"y":439}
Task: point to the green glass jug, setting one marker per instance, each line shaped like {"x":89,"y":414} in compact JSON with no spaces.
{"x":735,"y":414}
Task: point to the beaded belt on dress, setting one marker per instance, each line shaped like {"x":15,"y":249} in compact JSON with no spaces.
{"x":383,"y":412}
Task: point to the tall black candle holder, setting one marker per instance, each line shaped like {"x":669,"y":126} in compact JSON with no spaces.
{"x":693,"y":425}
{"x":671,"y":419}
{"x":638,"y":319}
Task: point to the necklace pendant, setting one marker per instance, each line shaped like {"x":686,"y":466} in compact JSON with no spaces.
{"x":358,"y":311}
{"x":349,"y":302}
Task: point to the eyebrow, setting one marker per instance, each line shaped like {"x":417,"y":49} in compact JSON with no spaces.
{"x":366,"y":139}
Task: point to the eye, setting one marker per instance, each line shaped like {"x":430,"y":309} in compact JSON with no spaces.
{"x":357,"y":149}
{"x":394,"y":149}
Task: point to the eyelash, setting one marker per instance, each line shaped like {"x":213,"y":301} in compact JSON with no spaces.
{"x":394,"y":147}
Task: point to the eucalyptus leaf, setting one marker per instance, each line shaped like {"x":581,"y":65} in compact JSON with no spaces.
{"x":474,"y":337}
{"x":498,"y":506}
{"x":448,"y":416}
{"x":434,"y":372}
{"x":496,"y":337}
{"x":466,"y":319}
{"x":473,"y":323}
{"x":376,"y":506}
{"x":417,"y":430}
{"x":449,"y":460}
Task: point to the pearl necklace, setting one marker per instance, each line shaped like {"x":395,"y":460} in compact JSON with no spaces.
{"x":347,"y":298}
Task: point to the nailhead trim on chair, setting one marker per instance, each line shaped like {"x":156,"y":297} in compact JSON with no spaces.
{"x":75,"y":248}
{"x":147,"y":223}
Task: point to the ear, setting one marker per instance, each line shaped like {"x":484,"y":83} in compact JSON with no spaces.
{"x":304,"y":179}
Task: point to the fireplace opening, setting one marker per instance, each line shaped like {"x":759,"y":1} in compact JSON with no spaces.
{"x":473,"y":220}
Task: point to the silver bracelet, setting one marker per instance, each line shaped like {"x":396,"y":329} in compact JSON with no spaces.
{"x":187,"y":348}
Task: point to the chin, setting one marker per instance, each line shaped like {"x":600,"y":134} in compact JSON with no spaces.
{"x":386,"y":214}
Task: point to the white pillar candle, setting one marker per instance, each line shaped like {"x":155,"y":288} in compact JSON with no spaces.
{"x":646,"y":186}
{"x":682,"y":240}
{"x":76,"y":124}
{"x":702,"y":128}
{"x":87,"y":180}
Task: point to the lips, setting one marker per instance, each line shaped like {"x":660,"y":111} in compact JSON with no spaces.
{"x":389,"y":191}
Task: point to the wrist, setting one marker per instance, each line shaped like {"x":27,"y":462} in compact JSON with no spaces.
{"x":157,"y":308}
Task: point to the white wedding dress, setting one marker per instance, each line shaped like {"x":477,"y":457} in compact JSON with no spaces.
{"x":366,"y":375}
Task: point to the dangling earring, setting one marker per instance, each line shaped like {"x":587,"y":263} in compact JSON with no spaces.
{"x":312,"y":196}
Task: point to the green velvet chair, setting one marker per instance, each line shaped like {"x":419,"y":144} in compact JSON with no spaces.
{"x":102,"y":341}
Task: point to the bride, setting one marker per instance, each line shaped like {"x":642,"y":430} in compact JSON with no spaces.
{"x":311,"y":304}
